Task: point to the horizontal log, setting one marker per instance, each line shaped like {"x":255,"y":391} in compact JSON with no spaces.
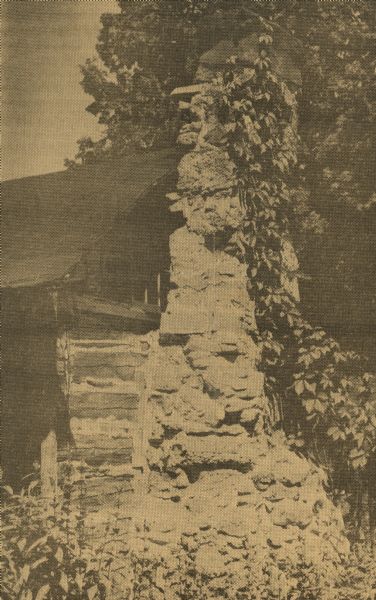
{"x":105,"y":426}
{"x":97,"y":456}
{"x":100,"y":358}
{"x":103,"y":485}
{"x":89,"y":411}
{"x":137,"y":312}
{"x":110,"y":386}
{"x":114,"y":499}
{"x":81,"y":374}
{"x":102,"y":442}
{"x":103,"y":400}
{"x":120,"y":341}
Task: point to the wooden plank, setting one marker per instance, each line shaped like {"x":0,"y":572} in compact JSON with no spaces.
{"x":107,"y":386}
{"x":98,"y":411}
{"x":100,"y":400}
{"x":102,"y":442}
{"x":82,"y":373}
{"x":48,"y":465}
{"x":97,"y":456}
{"x":134,"y":311}
{"x":109,"y":499}
{"x":107,"y":357}
{"x":159,"y":290}
{"x":109,"y":427}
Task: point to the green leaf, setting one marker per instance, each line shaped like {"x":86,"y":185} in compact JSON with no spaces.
{"x":63,"y":583}
{"x":79,"y":580}
{"x":43,"y":592}
{"x":309,"y":405}
{"x":336,"y":434}
{"x":319,"y":406}
{"x":32,"y":485}
{"x":311,"y":387}
{"x":91,"y":592}
{"x":21,"y":544}
{"x":38,"y":562}
{"x":25,"y":572}
{"x":37,"y":542}
{"x":336,"y":397}
{"x":59,"y":555}
{"x":299,"y":387}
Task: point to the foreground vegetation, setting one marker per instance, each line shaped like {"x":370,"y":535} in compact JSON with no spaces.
{"x":48,"y":555}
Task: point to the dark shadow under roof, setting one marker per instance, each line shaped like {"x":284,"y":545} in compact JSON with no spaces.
{"x":49,"y":220}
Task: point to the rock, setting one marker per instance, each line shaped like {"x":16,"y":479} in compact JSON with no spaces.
{"x":210,"y":450}
{"x":191,"y":411}
{"x":292,"y":470}
{"x":181,"y":480}
{"x":169,"y":370}
{"x":187,"y":138}
{"x":209,"y":562}
{"x":255,"y":385}
{"x":235,"y":405}
{"x":208,"y":171}
{"x":217,"y":212}
{"x":250,"y":415}
{"x":288,"y":512}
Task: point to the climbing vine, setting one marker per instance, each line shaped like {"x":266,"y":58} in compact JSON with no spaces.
{"x":320,"y":394}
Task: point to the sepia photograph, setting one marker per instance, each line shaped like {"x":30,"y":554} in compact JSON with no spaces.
{"x":188,"y":284}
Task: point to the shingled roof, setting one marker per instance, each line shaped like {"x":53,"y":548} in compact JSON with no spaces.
{"x":49,"y":220}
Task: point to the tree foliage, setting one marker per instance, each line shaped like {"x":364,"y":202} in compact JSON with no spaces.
{"x":321,"y":392}
{"x":149,"y":48}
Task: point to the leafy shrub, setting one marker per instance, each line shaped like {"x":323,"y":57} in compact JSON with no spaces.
{"x":44,"y":554}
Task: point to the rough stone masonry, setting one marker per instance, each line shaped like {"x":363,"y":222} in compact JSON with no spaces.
{"x":219,"y":486}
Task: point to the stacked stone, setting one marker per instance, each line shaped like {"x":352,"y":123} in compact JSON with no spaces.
{"x":221,"y":486}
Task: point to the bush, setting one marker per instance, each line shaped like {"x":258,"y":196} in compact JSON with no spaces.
{"x":46,"y":556}
{"x":44,"y":553}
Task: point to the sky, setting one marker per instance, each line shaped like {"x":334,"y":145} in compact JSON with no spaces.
{"x":43,"y":104}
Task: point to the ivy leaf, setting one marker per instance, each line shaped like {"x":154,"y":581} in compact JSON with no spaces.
{"x":311,"y":387}
{"x":299,"y":387}
{"x":358,"y":458}
{"x":336,"y":433}
{"x":359,"y":438}
{"x":309,"y":405}
{"x":319,"y":406}
{"x":336,"y":397}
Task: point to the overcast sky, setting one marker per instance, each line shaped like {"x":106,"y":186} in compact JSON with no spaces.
{"x":43,"y":106}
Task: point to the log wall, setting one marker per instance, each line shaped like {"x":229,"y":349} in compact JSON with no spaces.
{"x":106,"y":395}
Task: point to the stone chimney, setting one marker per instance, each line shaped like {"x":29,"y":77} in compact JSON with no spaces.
{"x":222,"y":489}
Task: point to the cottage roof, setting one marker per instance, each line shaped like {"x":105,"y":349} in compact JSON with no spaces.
{"x":49,"y":220}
